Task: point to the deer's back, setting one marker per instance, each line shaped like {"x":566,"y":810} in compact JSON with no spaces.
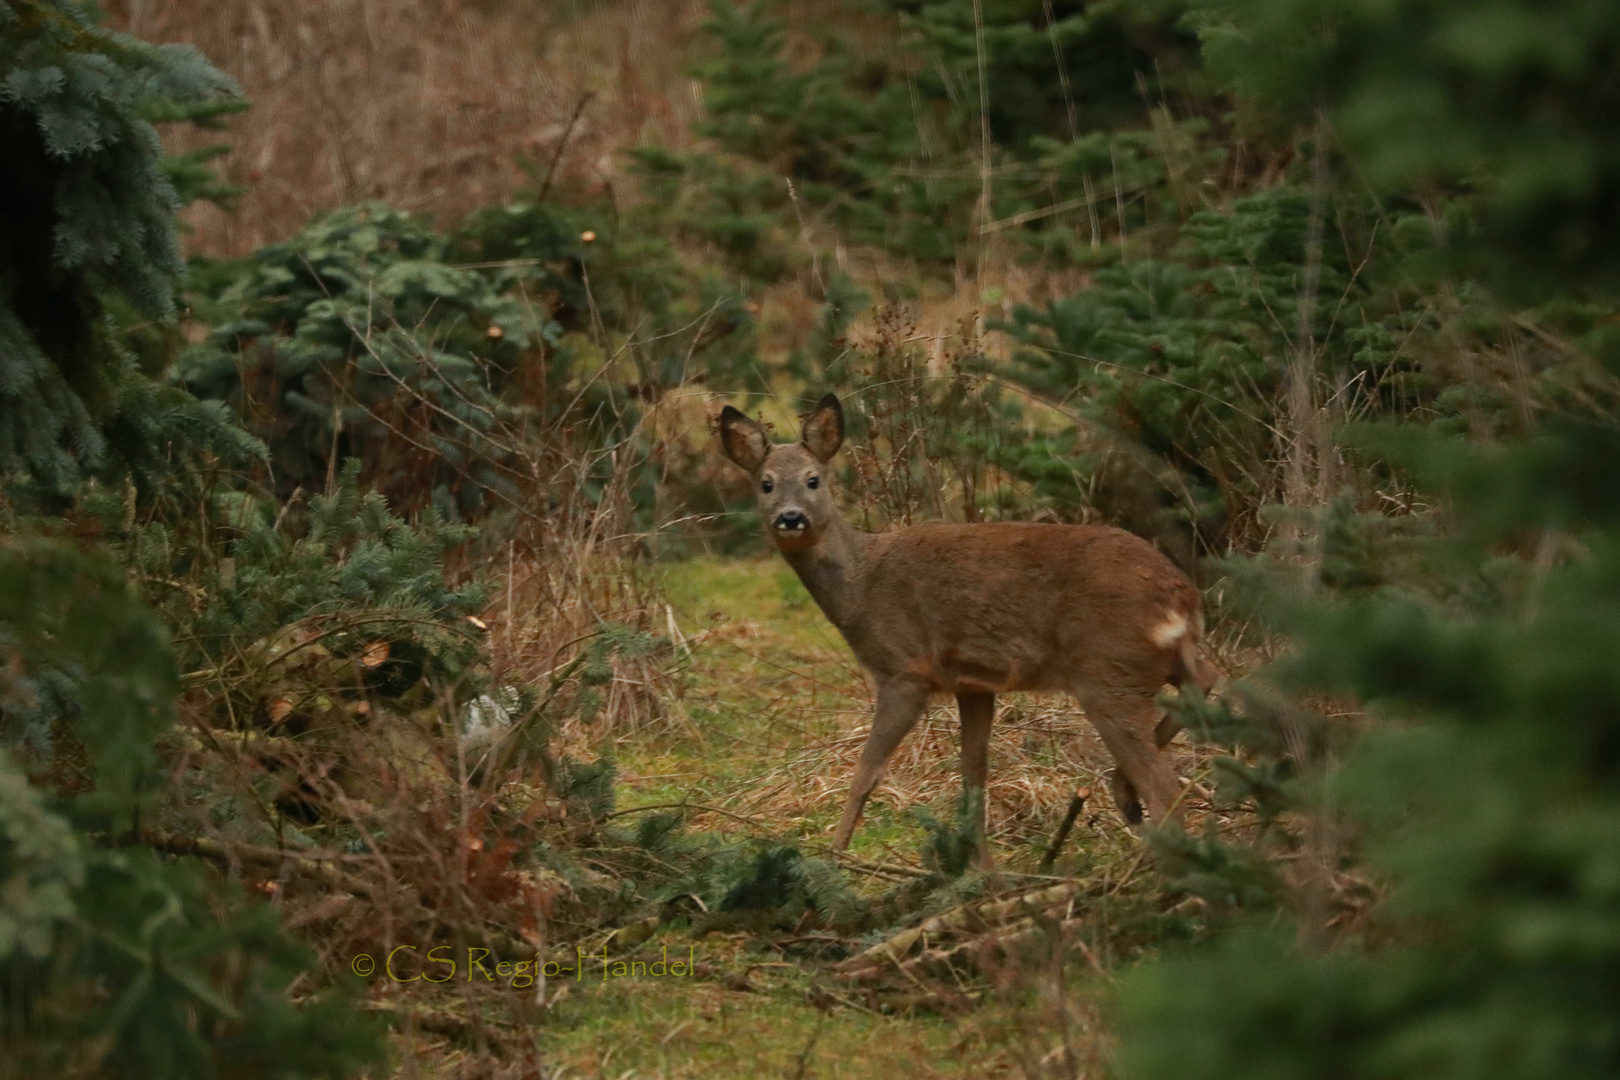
{"x":1013,"y":606}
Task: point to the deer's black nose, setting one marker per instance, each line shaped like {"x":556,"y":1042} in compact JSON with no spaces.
{"x":791,"y":521}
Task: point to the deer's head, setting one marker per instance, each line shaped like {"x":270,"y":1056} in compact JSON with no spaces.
{"x":791,"y":480}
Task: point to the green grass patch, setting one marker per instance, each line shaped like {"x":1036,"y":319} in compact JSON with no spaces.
{"x":676,"y":1028}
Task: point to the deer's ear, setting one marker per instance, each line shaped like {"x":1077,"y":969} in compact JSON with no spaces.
{"x":742,"y":440}
{"x":824,"y":429}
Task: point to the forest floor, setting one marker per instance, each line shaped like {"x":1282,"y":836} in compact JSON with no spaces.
{"x":775,"y":710}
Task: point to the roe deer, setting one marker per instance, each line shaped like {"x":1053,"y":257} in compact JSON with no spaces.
{"x":978,"y":610}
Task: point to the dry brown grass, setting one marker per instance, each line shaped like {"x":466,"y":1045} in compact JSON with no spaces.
{"x":428,"y":105}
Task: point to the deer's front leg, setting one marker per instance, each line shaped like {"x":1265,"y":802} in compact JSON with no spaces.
{"x":978,"y":711}
{"x":900,"y":702}
{"x":1126,"y":721}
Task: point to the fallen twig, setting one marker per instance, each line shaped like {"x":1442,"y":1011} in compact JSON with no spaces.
{"x":968,"y":918}
{"x":1076,"y":805}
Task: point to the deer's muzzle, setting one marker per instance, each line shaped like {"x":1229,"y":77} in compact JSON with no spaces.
{"x":791,"y":523}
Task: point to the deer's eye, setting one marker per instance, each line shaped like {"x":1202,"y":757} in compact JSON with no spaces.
{"x":765,"y":486}
{"x":813,"y":483}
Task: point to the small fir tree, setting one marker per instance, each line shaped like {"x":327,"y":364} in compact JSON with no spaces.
{"x":1489,"y":798}
{"x":89,"y":217}
{"x":113,"y":960}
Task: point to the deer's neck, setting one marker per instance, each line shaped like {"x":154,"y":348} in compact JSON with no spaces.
{"x":831,"y":570}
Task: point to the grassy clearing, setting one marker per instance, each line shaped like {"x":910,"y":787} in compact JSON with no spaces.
{"x":775,"y":712}
{"x":779,"y":709}
{"x":771,"y":690}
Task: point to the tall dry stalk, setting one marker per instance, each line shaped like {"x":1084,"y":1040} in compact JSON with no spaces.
{"x":1307,"y":468}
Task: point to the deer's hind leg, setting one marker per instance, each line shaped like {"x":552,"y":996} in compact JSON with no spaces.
{"x":1128,"y":722}
{"x":900,"y":703}
{"x":978,"y":711}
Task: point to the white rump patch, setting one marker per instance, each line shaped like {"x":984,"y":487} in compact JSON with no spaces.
{"x":1168,"y":632}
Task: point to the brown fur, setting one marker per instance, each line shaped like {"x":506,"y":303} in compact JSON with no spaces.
{"x":978,"y":610}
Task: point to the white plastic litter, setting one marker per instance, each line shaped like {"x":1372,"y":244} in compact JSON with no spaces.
{"x":488,"y":718}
